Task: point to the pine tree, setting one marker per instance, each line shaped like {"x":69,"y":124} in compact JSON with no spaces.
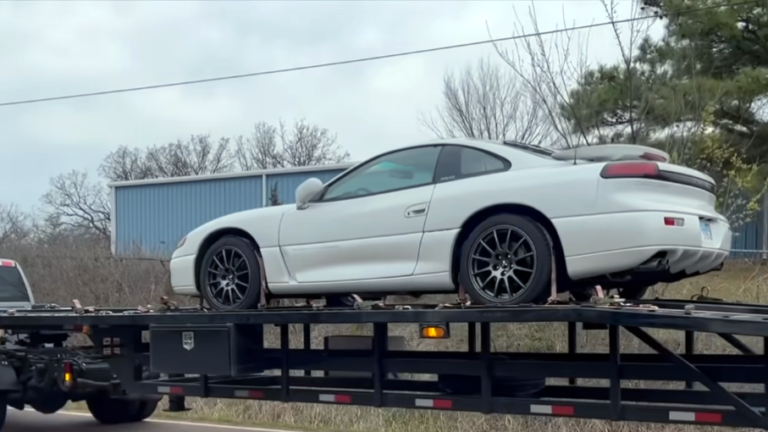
{"x":274,"y":196}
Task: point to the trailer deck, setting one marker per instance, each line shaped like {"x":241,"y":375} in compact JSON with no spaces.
{"x":223,"y":355}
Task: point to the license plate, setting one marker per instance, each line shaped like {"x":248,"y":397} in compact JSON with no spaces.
{"x":706,"y":231}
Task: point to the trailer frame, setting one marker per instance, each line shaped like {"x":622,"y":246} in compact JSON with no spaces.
{"x":227,"y":354}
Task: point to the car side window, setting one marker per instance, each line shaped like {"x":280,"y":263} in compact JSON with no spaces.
{"x":459,"y":162}
{"x":477,"y":162}
{"x":390,"y":172}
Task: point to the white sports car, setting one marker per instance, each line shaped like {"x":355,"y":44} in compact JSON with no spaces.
{"x":497,"y":218}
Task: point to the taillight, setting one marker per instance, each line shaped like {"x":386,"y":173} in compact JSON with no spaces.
{"x":630,"y":169}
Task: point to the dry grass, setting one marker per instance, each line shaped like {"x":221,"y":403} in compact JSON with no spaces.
{"x":61,"y":273}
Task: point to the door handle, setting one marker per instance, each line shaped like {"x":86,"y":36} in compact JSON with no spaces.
{"x":416,"y":210}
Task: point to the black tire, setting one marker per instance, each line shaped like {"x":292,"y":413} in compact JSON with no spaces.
{"x":537,"y":284}
{"x":633,"y":293}
{"x":340,"y":301}
{"x":249,"y":289}
{"x":107,"y":410}
{"x":3,"y":411}
{"x":52,"y":403}
{"x":509,"y":387}
{"x":628,"y":293}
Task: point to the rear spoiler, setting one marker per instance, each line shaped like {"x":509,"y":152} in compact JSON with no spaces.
{"x":612,"y":152}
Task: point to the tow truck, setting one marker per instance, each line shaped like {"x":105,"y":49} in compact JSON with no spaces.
{"x":136,"y":356}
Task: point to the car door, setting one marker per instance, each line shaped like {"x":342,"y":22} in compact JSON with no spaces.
{"x":366,"y":224}
{"x":458,"y":180}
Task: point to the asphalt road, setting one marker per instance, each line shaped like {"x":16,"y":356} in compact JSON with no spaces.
{"x":31,"y":421}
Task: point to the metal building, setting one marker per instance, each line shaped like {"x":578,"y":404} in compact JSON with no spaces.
{"x":149,"y":217}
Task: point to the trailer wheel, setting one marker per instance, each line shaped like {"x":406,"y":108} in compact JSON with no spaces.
{"x":230,"y":275}
{"x":506,"y":260}
{"x":108,"y":410}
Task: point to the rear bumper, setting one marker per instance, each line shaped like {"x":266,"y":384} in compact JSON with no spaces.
{"x":618,"y":242}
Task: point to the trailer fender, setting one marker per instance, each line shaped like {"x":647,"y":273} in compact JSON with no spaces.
{"x":8,"y":379}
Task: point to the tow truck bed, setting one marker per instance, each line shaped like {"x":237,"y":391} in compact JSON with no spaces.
{"x":223,"y":355}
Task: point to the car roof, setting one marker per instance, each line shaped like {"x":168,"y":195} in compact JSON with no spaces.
{"x":519,"y":157}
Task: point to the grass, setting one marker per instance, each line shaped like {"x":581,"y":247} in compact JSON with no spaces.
{"x":748,"y":283}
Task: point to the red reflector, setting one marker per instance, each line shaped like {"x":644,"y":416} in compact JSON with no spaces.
{"x":704,"y":417}
{"x":5,"y":263}
{"x":442,"y":403}
{"x":176,"y":390}
{"x":343,"y":399}
{"x":671,"y":221}
{"x":68,"y":367}
{"x":562,"y":410}
{"x":630,"y":169}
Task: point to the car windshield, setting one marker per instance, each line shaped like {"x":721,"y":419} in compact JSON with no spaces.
{"x":537,"y":150}
{"x":12,"y":287}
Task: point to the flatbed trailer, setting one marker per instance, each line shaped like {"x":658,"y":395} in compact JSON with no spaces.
{"x":142,"y":354}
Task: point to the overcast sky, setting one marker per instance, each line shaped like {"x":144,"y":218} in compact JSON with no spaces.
{"x":58,"y":48}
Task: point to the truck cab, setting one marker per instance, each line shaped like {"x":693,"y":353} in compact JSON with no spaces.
{"x":15,"y":292}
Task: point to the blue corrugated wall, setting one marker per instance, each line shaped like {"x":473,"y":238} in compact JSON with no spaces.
{"x":748,"y":237}
{"x":151,"y":219}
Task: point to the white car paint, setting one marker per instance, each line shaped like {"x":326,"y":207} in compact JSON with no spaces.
{"x":402,"y":241}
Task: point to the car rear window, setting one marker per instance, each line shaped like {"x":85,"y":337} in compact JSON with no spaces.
{"x":12,"y":287}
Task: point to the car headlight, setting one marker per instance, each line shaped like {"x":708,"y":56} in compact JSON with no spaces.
{"x":181,"y":242}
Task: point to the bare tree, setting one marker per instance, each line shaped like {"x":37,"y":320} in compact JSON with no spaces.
{"x":259,"y":150}
{"x":75,"y":202}
{"x":486,"y":101}
{"x":197,"y":156}
{"x":302,"y":144}
{"x":126,"y":164}
{"x":551,"y":66}
{"x":14,"y":225}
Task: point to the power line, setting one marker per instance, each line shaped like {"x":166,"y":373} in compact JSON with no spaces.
{"x":368,"y":59}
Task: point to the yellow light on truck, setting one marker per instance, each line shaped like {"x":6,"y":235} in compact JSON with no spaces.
{"x":433,"y":332}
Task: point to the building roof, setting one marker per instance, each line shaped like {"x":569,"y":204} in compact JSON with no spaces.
{"x":222,"y":176}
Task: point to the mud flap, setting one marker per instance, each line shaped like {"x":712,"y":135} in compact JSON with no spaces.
{"x":8,"y":379}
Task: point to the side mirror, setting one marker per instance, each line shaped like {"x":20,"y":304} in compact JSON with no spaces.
{"x":306,"y":191}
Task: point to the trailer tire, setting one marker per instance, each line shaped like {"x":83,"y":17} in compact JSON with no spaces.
{"x":108,"y":410}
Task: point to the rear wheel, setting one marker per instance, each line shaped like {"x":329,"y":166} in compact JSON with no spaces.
{"x":109,"y":410}
{"x":230,"y":275}
{"x":506,"y":260}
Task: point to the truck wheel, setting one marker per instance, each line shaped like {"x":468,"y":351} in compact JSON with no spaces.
{"x":3,"y":411}
{"x":51,"y":403}
{"x":108,"y":410}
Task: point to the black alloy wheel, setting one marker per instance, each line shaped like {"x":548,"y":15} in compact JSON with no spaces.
{"x":230,"y":275}
{"x":507,"y":260}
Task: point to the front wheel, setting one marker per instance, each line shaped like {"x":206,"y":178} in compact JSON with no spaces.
{"x":230,"y":275}
{"x":506,"y":260}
